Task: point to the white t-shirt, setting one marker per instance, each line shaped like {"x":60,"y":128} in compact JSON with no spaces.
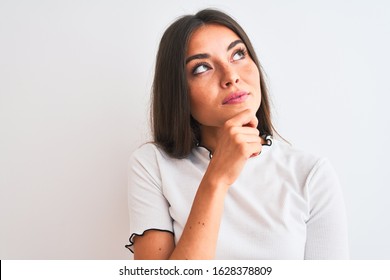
{"x":285,"y":204}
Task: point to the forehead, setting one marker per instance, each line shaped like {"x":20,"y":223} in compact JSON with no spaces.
{"x":209,"y":37}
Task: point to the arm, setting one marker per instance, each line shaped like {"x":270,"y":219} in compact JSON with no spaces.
{"x":199,"y":236}
{"x":327,"y":226}
{"x":235,"y":144}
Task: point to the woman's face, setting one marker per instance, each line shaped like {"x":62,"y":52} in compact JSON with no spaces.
{"x":222,"y":78}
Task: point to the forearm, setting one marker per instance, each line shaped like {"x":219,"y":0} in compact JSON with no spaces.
{"x":200,"y":234}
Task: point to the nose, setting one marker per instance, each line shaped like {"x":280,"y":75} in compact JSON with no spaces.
{"x":229,"y":76}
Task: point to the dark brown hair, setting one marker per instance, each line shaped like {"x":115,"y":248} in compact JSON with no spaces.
{"x":173,"y":127}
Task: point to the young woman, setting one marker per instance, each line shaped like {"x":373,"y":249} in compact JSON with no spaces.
{"x":214,"y":184}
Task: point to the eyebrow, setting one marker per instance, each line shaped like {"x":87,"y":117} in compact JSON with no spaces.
{"x":205,"y":55}
{"x":233,"y":44}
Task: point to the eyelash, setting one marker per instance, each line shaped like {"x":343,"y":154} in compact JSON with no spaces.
{"x":198,"y":65}
{"x":241,"y":50}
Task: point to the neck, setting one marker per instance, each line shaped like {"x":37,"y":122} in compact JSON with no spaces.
{"x":209,"y":136}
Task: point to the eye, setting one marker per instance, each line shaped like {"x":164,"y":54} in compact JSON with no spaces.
{"x":239,"y":54}
{"x":200,"y":68}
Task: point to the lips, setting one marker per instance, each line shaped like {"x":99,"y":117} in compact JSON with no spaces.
{"x":235,"y":97}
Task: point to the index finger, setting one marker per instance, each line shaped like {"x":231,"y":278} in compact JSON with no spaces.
{"x":244,"y":118}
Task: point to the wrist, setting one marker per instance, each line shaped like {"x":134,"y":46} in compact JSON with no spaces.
{"x":215,"y":182}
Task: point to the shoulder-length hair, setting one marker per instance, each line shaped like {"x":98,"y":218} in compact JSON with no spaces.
{"x":173,"y":127}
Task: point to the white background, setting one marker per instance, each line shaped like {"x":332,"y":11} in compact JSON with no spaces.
{"x":75,"y":79}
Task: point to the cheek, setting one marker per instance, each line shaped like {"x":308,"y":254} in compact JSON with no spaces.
{"x":203,"y":102}
{"x":252,"y":78}
{"x":199,"y":107}
{"x":201,"y":94}
{"x":196,"y":101}
{"x":252,"y":75}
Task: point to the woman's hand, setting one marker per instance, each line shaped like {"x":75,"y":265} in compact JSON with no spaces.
{"x":237,"y":141}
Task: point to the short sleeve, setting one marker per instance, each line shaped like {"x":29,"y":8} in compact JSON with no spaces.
{"x":327,"y":223}
{"x":148,"y":208}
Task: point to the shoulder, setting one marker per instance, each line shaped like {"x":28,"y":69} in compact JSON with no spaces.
{"x":148,"y":152}
{"x":150,"y":156}
{"x":314,"y":170}
{"x":145,"y":159}
{"x":304,"y":166}
{"x":286,"y":154}
{"x":144,"y":167}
